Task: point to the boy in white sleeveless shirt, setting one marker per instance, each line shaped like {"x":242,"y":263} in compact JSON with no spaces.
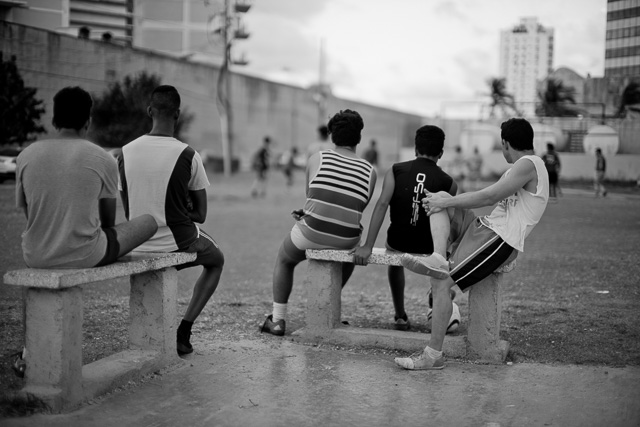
{"x":479,"y":245}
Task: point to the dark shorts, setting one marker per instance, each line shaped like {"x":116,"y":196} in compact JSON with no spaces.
{"x":553,"y":177}
{"x":476,"y":250}
{"x":113,"y":247}
{"x":207,"y":250}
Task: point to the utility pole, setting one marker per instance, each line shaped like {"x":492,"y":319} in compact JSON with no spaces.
{"x":223,"y":86}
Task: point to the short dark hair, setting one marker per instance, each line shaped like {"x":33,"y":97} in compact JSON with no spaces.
{"x":518,"y":133}
{"x":71,"y":108}
{"x":345,"y":127}
{"x":550,"y":146}
{"x":165,"y":100}
{"x":429,"y":140}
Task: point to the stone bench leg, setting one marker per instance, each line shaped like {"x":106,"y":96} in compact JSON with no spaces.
{"x":485,"y":307}
{"x":54,"y":346}
{"x":324,"y":288}
{"x":153,"y":311}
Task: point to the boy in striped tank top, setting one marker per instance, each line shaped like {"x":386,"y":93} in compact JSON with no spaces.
{"x":339,"y":185}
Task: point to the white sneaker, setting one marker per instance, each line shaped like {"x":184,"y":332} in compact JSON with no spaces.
{"x":454,"y":322}
{"x":431,"y":265}
{"x":420,"y":362}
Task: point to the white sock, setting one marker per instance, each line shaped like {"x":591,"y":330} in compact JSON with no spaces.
{"x":439,"y":257}
{"x":279,"y":311}
{"x":434,"y":354}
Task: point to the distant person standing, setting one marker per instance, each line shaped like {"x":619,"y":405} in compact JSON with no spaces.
{"x":457,"y":169}
{"x":289,"y":164}
{"x":261,"y":167}
{"x":601,"y":167}
{"x":552,"y":164}
{"x":322,"y":143}
{"x":474,"y":166}
{"x":371,"y":155}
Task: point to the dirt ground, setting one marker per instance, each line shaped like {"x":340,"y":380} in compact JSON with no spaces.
{"x":573,"y":298}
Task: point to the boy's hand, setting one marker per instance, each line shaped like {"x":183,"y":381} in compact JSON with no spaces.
{"x":434,"y":202}
{"x":361,"y":255}
{"x":297,"y":214}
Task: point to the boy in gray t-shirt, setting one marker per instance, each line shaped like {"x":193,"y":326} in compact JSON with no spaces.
{"x":67,"y":189}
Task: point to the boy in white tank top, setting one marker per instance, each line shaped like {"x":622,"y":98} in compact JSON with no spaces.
{"x":478,"y":246}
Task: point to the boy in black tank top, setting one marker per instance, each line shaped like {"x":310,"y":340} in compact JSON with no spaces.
{"x":402,"y":192}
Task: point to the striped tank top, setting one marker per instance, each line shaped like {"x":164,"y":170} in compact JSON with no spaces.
{"x":336,"y":198}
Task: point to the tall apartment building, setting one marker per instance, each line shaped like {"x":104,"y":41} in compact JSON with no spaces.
{"x":180,"y":27}
{"x":526,"y":57}
{"x":622,"y":49}
{"x":68,"y":16}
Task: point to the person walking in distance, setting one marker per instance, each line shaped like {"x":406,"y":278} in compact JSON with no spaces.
{"x":164,"y":177}
{"x":261,"y":160}
{"x":601,"y":168}
{"x":552,"y":163}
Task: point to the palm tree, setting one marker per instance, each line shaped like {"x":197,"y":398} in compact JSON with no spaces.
{"x":556,"y":100}
{"x":500,"y":98}
{"x":630,"y":99}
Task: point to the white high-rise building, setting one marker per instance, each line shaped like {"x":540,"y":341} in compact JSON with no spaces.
{"x":526,"y":57}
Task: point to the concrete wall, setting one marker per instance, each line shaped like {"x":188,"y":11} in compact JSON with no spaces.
{"x":49,"y":61}
{"x":575,"y":166}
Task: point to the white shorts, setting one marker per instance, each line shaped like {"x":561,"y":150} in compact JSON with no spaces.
{"x":301,"y":242}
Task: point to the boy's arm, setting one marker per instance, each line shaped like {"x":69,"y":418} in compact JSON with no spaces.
{"x":107,"y":211}
{"x":454,"y":188}
{"x":199,"y":212}
{"x":519,"y":176}
{"x":361,"y":255}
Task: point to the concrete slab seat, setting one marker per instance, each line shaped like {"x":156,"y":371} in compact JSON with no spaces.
{"x":54,"y":314}
{"x":323,"y":323}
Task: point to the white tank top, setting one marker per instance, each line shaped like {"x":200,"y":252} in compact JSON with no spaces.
{"x":515,"y":217}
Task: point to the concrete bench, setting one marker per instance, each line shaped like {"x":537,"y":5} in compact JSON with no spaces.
{"x":54,"y":312}
{"x":323,"y":323}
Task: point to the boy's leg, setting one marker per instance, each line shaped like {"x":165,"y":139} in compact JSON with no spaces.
{"x":395,"y":273}
{"x":442,"y":309}
{"x":347,"y":271}
{"x":289,"y":256}
{"x":135,"y":232}
{"x":210,"y":257}
{"x":434,"y":265}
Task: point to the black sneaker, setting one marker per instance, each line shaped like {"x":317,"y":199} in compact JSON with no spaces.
{"x":402,"y":323}
{"x":183,"y":345}
{"x":273,"y":328}
{"x":19,"y":366}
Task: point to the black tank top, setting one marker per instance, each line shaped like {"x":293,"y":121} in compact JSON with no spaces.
{"x":409,"y":230}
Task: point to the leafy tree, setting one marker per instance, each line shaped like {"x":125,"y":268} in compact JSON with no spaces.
{"x":556,"y":100}
{"x":20,"y":111}
{"x":630,"y":100}
{"x":120,"y":115}
{"x":500,"y":98}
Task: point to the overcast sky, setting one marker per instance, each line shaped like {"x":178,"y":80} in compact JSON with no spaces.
{"x":420,"y":56}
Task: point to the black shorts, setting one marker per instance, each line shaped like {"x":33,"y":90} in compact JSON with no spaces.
{"x":207,"y":250}
{"x":113,"y":247}
{"x":476,"y":250}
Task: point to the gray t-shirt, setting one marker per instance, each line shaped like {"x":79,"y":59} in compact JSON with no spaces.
{"x":59,"y":182}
